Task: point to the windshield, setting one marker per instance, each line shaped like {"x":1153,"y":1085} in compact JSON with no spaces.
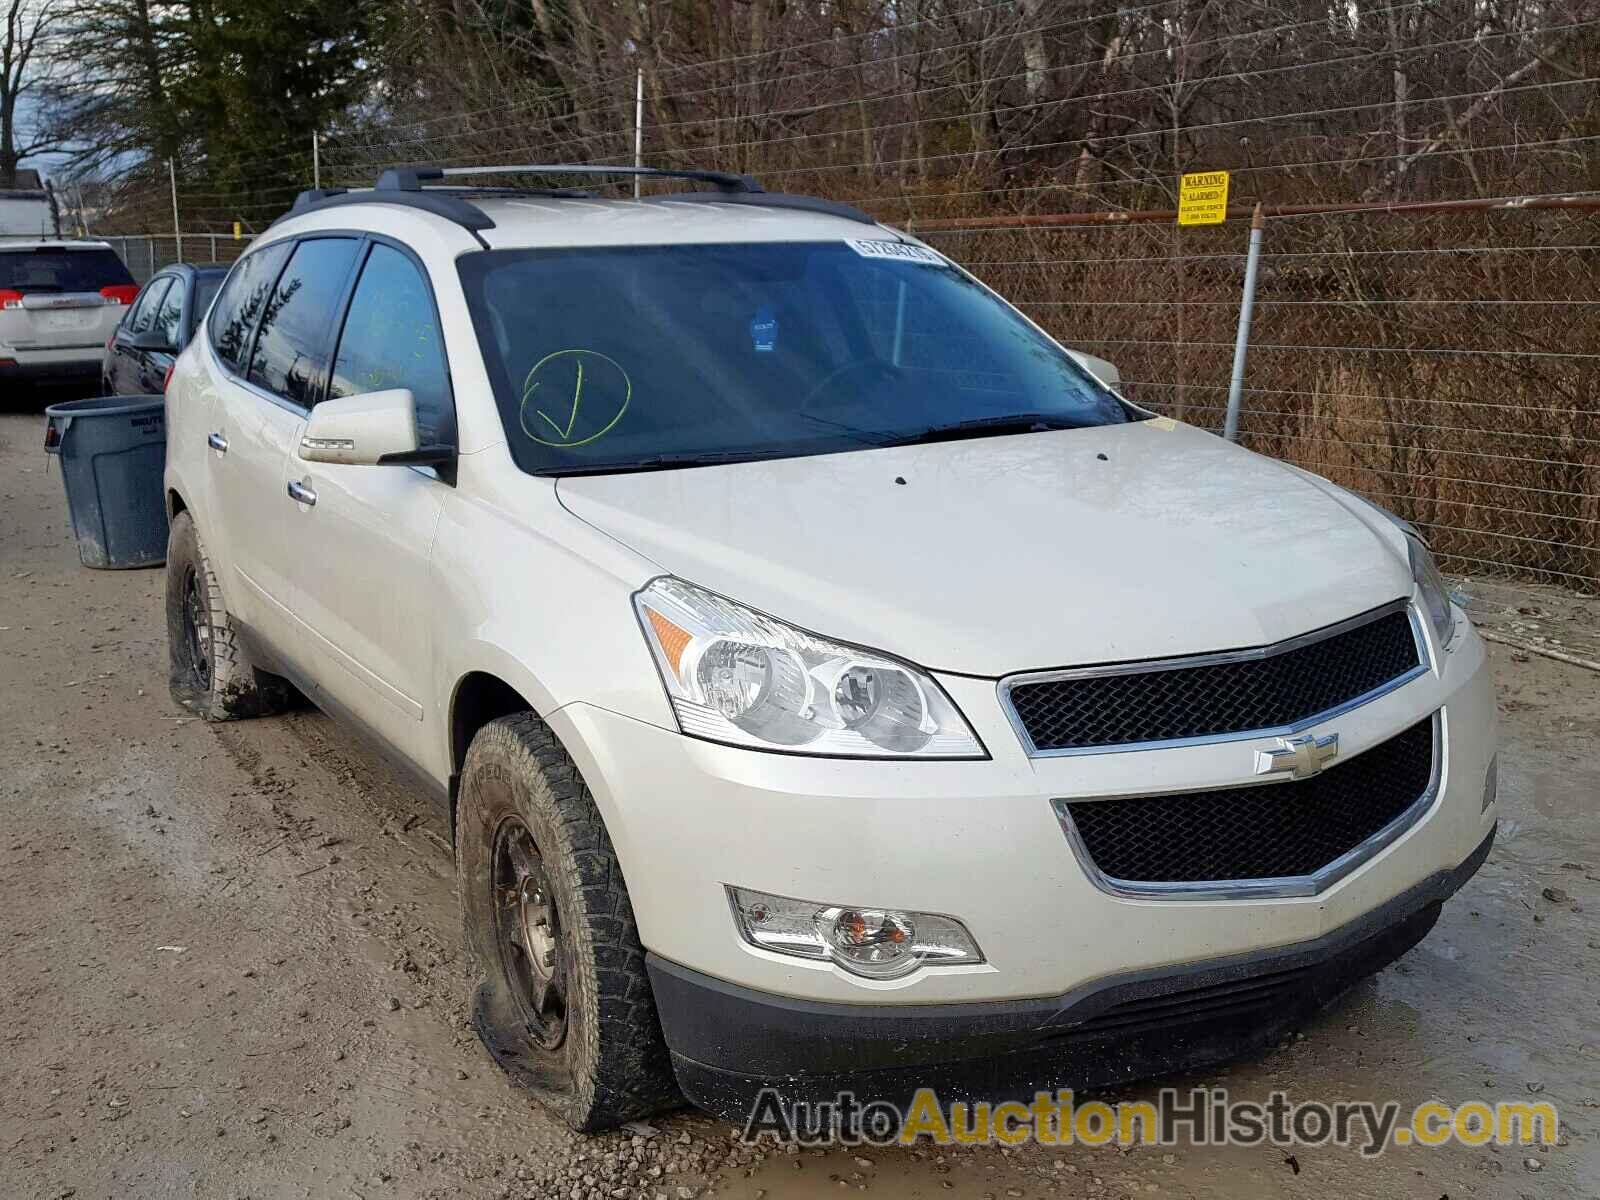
{"x":625,"y":358}
{"x":28,"y":271}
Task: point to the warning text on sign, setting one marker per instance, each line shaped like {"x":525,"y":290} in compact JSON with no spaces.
{"x":1203,"y":198}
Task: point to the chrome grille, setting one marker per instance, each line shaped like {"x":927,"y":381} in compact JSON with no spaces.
{"x":1275,"y":687}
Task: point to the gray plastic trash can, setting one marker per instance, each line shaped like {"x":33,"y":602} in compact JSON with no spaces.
{"x":113,"y":453}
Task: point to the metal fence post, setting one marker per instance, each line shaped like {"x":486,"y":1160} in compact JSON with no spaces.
{"x":1241,"y":343}
{"x":638,"y":127}
{"x":213,"y":247}
{"x":177,"y":229}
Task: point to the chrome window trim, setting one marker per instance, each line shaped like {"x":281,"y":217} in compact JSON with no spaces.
{"x":1278,"y":888}
{"x":255,"y":390}
{"x":1152,"y":665}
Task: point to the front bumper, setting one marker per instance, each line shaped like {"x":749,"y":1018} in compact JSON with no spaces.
{"x":980,"y":841}
{"x":729,"y":1043}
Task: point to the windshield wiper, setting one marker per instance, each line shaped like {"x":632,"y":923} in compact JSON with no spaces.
{"x":867,"y":437}
{"x":660,"y":462}
{"x":978,"y":427}
{"x":987,"y":427}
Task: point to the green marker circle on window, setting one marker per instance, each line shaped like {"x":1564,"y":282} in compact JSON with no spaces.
{"x":573,"y":397}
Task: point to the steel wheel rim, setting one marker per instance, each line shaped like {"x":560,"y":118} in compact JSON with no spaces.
{"x":196,"y":628}
{"x":528,"y":933}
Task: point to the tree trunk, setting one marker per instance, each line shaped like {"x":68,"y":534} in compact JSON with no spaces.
{"x":1402,"y":88}
{"x":1035,"y":54}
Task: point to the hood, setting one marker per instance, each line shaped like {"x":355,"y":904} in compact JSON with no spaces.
{"x":1003,"y":554}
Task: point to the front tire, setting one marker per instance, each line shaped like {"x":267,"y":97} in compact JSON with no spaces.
{"x":210,"y":673}
{"x":565,"y":1006}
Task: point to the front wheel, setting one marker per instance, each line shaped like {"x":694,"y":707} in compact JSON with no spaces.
{"x":565,"y":1006}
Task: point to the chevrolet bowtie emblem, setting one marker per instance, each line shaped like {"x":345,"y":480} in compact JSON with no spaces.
{"x":1303,"y":756}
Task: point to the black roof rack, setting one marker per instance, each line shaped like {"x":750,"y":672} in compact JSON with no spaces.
{"x":452,"y":208}
{"x":405,"y":186}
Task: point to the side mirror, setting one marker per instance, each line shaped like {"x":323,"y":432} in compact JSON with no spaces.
{"x":1105,"y":372}
{"x":371,"y":429}
{"x":153,"y":341}
{"x":361,"y":430}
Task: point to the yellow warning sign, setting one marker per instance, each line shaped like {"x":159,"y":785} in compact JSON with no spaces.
{"x":1203,"y":198}
{"x":238,"y":231}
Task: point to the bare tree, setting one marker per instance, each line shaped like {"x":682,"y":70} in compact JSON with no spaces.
{"x":30,"y":25}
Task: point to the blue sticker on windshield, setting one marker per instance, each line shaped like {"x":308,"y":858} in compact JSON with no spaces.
{"x":764,"y":331}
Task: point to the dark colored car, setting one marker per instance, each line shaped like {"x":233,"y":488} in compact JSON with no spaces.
{"x":157,"y":327}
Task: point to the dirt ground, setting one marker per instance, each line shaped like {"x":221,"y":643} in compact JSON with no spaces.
{"x":230,"y":964}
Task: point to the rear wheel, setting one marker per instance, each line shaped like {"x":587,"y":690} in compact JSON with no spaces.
{"x":209,"y":672}
{"x":565,"y":1005}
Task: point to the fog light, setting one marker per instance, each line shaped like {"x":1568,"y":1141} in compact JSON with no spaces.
{"x":871,"y":942}
{"x":1491,"y":784}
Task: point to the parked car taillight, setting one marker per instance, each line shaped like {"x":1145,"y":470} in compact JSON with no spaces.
{"x":167,"y":381}
{"x":9,"y":299}
{"x":121,"y":293}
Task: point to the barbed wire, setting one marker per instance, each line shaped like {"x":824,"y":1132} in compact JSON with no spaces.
{"x":1121,"y":62}
{"x":702,"y":149}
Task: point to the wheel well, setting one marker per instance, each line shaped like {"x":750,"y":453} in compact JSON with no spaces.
{"x":175,"y":504}
{"x":480,"y":698}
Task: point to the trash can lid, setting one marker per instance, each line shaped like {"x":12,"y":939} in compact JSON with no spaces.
{"x":106,"y":406}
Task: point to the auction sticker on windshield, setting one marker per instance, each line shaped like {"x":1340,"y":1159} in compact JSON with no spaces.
{"x":901,"y":251}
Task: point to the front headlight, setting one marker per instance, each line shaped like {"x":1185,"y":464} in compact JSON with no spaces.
{"x":1435,"y":592}
{"x":736,"y":675}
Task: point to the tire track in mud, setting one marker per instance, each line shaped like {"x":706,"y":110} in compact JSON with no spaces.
{"x":350,"y":788}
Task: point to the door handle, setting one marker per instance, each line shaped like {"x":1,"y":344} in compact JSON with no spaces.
{"x":301,"y":493}
{"x":217,"y":442}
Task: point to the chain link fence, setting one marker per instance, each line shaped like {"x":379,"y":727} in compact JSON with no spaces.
{"x":145,"y":254}
{"x":1446,"y":364}
{"x":1443,"y":364}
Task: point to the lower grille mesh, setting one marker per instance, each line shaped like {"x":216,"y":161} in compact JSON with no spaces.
{"x":1268,"y":831}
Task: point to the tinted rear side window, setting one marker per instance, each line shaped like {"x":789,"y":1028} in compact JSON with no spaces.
{"x":61,"y":270}
{"x":144,"y":316}
{"x":392,"y":340}
{"x":233,"y":320}
{"x":169,"y":317}
{"x":205,"y":291}
{"x":291,"y":354}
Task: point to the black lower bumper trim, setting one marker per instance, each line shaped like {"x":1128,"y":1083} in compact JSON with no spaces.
{"x":74,"y":371}
{"x":730,"y":1042}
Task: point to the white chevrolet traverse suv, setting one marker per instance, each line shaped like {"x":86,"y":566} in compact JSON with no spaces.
{"x":832,"y":683}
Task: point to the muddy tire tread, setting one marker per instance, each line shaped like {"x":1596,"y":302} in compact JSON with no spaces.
{"x":238,"y":688}
{"x":627,"y":1071}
